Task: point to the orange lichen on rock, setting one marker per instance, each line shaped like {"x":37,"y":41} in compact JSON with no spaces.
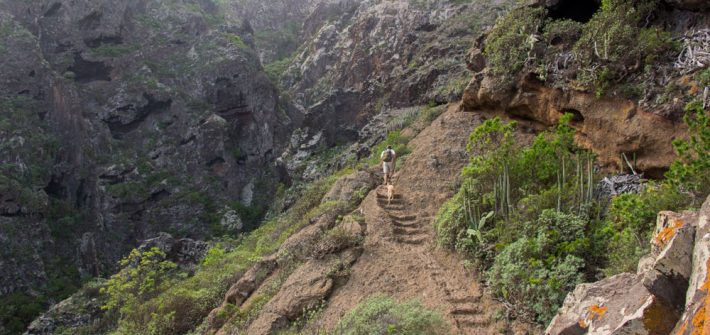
{"x":655,"y":318}
{"x":595,"y":312}
{"x":665,"y":235}
{"x":700,"y":324}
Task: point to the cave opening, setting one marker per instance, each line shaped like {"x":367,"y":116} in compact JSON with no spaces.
{"x":579,"y":10}
{"x":577,"y":117}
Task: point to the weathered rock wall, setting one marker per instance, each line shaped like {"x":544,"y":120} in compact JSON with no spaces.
{"x":121,"y":120}
{"x":611,"y":127}
{"x":368,"y":56}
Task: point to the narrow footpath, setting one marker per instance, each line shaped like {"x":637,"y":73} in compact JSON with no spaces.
{"x":400,"y":257}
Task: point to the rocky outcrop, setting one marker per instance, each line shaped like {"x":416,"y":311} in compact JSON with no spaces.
{"x":348,"y":187}
{"x":667,"y":294}
{"x":180,"y":251}
{"x":608,"y":126}
{"x":312,"y":259}
{"x":81,"y":309}
{"x":689,"y":4}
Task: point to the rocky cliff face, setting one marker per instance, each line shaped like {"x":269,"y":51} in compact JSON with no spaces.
{"x":367,"y":57}
{"x":121,"y":120}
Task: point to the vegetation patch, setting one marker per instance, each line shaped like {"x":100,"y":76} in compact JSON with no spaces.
{"x":383,"y":315}
{"x":617,"y":51}
{"x":529,"y":216}
{"x":182,"y":300}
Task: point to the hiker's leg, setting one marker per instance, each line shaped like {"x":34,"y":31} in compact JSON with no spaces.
{"x":384,"y":170}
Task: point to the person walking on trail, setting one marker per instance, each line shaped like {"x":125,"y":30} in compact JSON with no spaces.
{"x":388,"y":159}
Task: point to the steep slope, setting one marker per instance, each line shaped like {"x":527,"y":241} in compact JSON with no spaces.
{"x":400,"y":257}
{"x":396,"y":257}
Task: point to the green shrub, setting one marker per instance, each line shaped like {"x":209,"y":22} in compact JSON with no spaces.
{"x":615,"y":42}
{"x":538,"y":270}
{"x":692,"y":171}
{"x":631,"y":221}
{"x":562,"y":31}
{"x":17,"y":311}
{"x":382,"y":315}
{"x":508,"y":44}
{"x":277,"y":68}
{"x":236,"y":40}
{"x":523,"y":213}
{"x":143,"y":275}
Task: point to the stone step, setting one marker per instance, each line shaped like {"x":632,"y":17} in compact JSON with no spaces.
{"x":466,"y":310}
{"x":384,"y":196}
{"x":414,"y":224}
{"x":392,"y":207}
{"x":464,"y":300}
{"x":403,"y":218}
{"x":407,"y":231}
{"x":393,"y":201}
{"x":412,"y":240}
{"x":473,"y":320}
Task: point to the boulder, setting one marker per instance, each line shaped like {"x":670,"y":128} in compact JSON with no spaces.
{"x":475,"y":60}
{"x":616,"y":305}
{"x":182,"y":251}
{"x":673,"y":241}
{"x":347,"y":188}
{"x":251,"y":280}
{"x":303,"y":289}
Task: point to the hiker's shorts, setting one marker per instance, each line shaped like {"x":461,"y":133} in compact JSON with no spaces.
{"x":387,"y":168}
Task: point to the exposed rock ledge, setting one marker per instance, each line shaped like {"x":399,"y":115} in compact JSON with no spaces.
{"x":667,"y":295}
{"x":608,"y":126}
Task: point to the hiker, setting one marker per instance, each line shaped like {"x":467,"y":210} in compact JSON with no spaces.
{"x":388,"y":159}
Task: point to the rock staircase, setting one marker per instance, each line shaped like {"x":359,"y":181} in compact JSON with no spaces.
{"x":463,"y":307}
{"x":406,"y":228}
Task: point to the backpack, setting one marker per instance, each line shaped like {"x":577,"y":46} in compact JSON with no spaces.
{"x":388,"y":156}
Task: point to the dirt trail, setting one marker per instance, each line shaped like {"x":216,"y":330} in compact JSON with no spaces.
{"x":400,"y":257}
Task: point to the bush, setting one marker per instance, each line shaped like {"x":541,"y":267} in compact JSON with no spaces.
{"x":538,"y":270}
{"x":508,"y":45}
{"x":277,"y":68}
{"x":631,"y":221}
{"x":692,"y":171}
{"x":17,"y":311}
{"x":523,"y":213}
{"x":382,"y":315}
{"x":616,"y":43}
{"x":143,"y":275}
